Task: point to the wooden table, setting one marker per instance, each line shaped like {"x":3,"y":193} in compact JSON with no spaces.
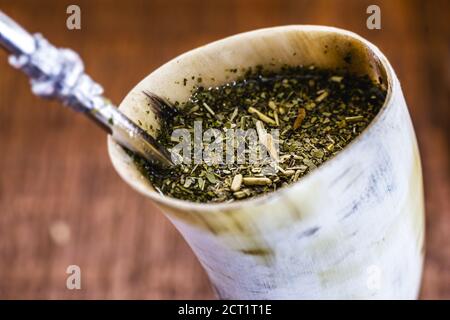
{"x":61,"y":202}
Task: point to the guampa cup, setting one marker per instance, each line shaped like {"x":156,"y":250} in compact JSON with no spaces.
{"x":351,"y":229}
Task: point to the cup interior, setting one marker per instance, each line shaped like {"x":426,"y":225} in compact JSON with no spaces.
{"x":225,"y":60}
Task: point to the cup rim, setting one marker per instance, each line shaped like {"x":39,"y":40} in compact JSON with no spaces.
{"x":273,"y":195}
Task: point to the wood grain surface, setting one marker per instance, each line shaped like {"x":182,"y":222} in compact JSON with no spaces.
{"x":61,"y":202}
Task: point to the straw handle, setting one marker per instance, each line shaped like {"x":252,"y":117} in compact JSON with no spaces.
{"x":57,"y":73}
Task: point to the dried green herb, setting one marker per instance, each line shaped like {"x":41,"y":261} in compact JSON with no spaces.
{"x":317,"y":111}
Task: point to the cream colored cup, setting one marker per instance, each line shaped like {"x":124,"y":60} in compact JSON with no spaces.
{"x":351,"y":229}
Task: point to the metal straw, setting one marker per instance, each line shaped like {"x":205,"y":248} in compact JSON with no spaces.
{"x":57,"y":73}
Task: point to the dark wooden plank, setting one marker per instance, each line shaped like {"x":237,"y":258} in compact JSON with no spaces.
{"x":55,"y":173}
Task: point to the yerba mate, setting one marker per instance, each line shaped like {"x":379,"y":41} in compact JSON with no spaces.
{"x":316,"y":113}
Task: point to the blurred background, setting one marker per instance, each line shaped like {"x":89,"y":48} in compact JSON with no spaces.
{"x":61,"y":202}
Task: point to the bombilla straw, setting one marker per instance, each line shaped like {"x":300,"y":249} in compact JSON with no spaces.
{"x":57,"y":73}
